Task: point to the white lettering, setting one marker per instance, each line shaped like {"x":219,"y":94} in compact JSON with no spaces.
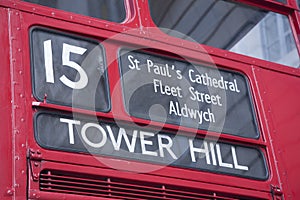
{"x":48,"y":61}
{"x":145,"y":142}
{"x":213,"y":154}
{"x":166,"y":89}
{"x":166,"y":146}
{"x":122,"y":133}
{"x":70,"y":123}
{"x":149,"y":65}
{"x":134,"y":63}
{"x":172,"y":108}
{"x":199,"y":150}
{"x":83,"y":80}
{"x":185,"y":111}
{"x":219,"y":155}
{"x":235,"y":161}
{"x":210,"y":150}
{"x":101,"y":131}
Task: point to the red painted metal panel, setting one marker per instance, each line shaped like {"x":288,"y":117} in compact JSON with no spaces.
{"x":134,"y":39}
{"x":20,"y":114}
{"x":136,"y":180}
{"x":275,"y":91}
{"x":281,"y":99}
{"x":118,"y":111}
{"x":6,"y":151}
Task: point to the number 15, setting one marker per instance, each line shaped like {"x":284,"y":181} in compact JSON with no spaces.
{"x":66,"y":51}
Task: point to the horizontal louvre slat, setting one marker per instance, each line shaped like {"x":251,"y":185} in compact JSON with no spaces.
{"x":114,"y":195}
{"x":90,"y":194}
{"x":62,"y":177}
{"x":55,"y":185}
{"x":49,"y":183}
{"x":114,"y":191}
{"x":192,"y":195}
{"x":73,"y":192}
{"x":121,"y":186}
{"x":44,"y":183}
{"x":98,"y":186}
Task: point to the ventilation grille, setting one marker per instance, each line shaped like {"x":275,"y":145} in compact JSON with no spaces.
{"x":88,"y":185}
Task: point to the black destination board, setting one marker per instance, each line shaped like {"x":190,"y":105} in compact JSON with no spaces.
{"x":68,"y":70}
{"x":86,"y":135}
{"x":177,"y":92}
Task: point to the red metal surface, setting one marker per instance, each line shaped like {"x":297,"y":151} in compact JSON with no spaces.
{"x":118,"y":111}
{"x":281,"y":97}
{"x":144,"y":179}
{"x":293,"y":3}
{"x":83,"y":184}
{"x":275,"y":90}
{"x":6,"y":154}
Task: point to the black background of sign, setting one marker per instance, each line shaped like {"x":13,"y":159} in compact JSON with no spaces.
{"x":139,"y":96}
{"x":94,"y":96}
{"x":50,"y":133}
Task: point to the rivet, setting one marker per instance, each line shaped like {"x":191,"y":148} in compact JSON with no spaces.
{"x":10,"y":192}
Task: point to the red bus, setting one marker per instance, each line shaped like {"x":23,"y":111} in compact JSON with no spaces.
{"x":148,"y":99}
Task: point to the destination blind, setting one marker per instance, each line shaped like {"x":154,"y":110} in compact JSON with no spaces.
{"x":68,"y":70}
{"x":87,"y":135}
{"x":177,"y":92}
